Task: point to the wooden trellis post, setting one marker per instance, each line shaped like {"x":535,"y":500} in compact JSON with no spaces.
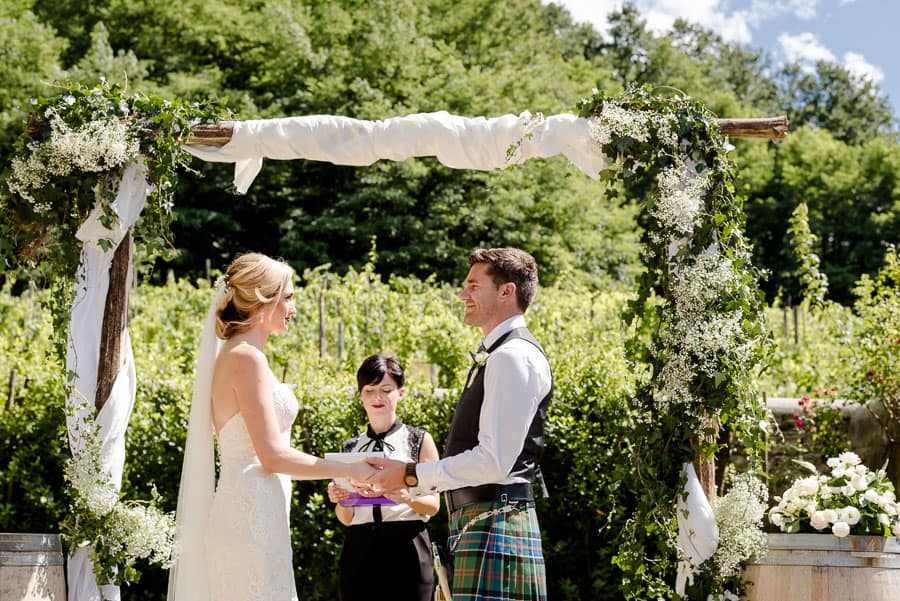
{"x":115,"y":321}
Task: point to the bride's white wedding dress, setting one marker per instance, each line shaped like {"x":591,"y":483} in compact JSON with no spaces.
{"x":248,"y":538}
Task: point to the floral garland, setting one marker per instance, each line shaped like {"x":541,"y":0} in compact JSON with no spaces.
{"x":72,"y":155}
{"x":69,"y":160}
{"x":119,"y":532}
{"x":699,"y":334}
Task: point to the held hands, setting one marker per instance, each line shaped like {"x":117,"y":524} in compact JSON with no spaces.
{"x":388,"y":478}
{"x":360,"y":473}
{"x":399,"y":496}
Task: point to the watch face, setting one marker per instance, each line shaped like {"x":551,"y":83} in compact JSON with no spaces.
{"x":410,"y":478}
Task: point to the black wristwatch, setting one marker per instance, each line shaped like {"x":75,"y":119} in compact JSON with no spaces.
{"x":410,"y":479}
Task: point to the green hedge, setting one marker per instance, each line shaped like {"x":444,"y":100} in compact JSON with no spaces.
{"x":586,"y":464}
{"x":420,"y":322}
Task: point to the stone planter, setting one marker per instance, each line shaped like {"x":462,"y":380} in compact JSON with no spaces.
{"x":823,"y":567}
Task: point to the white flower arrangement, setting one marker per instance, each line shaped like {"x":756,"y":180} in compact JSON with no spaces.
{"x":480,"y":358}
{"x":119,"y":531}
{"x":850,"y":500}
{"x":739,"y":516}
{"x":94,"y":147}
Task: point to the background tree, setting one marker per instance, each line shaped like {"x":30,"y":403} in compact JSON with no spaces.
{"x":382,"y":59}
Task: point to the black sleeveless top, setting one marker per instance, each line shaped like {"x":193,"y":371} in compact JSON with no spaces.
{"x":464,"y":427}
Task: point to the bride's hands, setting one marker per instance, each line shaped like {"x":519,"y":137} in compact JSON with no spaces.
{"x":360,"y":473}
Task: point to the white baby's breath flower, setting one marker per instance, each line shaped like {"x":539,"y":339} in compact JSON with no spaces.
{"x":680,"y":198}
{"x":739,"y":516}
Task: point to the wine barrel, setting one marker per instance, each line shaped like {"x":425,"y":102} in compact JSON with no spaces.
{"x":823,"y":567}
{"x":31,"y":568}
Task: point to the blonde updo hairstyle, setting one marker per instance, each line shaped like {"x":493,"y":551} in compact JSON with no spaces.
{"x":252,"y":282}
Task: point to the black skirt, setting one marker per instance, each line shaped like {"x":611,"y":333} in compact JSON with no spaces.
{"x":391,"y":560}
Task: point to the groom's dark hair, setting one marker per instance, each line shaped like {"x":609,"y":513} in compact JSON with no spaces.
{"x":510,"y":265}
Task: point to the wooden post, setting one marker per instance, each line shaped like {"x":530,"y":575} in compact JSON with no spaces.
{"x":323,"y":345}
{"x":115,"y":321}
{"x":706,"y":466}
{"x":771,"y":128}
{"x":784,"y":322}
{"x":12,"y":390}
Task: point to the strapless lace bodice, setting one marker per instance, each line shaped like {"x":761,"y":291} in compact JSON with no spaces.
{"x":234,"y":439}
{"x":248,"y":540}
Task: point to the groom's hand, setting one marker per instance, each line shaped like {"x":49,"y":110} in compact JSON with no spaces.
{"x":389,"y":476}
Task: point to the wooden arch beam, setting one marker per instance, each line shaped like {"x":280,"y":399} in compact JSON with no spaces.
{"x":771,"y":128}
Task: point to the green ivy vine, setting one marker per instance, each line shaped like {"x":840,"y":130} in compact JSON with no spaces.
{"x":699,"y":337}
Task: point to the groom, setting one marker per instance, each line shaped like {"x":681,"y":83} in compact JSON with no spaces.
{"x":496,"y":439}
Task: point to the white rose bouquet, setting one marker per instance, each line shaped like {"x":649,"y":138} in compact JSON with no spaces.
{"x":851,"y":500}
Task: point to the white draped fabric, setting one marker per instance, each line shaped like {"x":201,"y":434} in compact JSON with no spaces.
{"x":457,"y":142}
{"x":698,"y":533}
{"x":83,"y":356}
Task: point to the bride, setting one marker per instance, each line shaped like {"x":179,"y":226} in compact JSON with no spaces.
{"x":233,"y":543}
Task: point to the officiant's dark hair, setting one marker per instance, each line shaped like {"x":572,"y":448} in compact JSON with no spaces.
{"x":375,"y":367}
{"x":510,"y":265}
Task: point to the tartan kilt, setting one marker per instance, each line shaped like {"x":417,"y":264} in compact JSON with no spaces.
{"x":499,"y":557}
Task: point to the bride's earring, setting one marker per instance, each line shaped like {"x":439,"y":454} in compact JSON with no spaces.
{"x":262,"y":316}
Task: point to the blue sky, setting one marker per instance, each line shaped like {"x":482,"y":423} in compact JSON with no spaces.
{"x":862,"y":35}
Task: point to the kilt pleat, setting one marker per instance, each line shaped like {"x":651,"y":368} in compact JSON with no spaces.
{"x":498,"y":558}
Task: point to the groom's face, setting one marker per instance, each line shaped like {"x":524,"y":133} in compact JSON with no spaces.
{"x":481,"y":297}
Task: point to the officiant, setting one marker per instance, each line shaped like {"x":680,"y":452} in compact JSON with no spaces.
{"x":387,"y":550}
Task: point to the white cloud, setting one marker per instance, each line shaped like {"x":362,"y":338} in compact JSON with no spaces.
{"x":804,"y":9}
{"x":861,"y":68}
{"x":591,"y":11}
{"x":733,"y":25}
{"x":804,"y":47}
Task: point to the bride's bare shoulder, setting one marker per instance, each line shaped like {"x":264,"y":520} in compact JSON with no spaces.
{"x":241,"y":359}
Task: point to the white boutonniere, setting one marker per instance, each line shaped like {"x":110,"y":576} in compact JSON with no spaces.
{"x":479,"y":360}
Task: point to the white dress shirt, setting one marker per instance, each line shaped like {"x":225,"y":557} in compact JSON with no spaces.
{"x":516,"y":379}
